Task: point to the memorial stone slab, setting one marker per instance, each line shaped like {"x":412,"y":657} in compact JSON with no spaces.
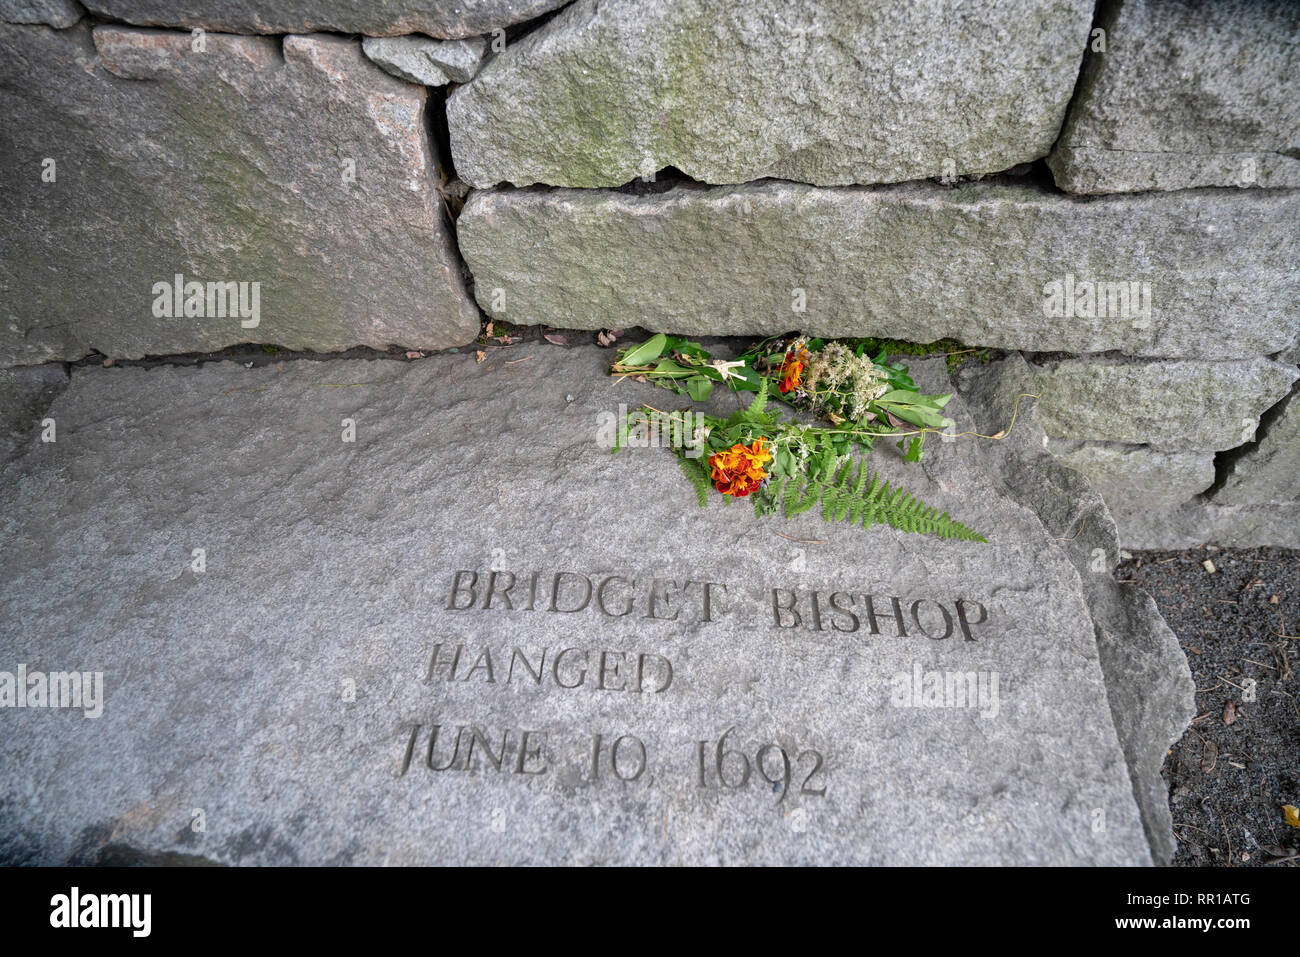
{"x":182,"y":194}
{"x":438,"y":18}
{"x":1207,"y":273}
{"x":54,"y":13}
{"x":382,"y":612}
{"x":1138,"y":476}
{"x":25,"y":394}
{"x":1171,"y":404}
{"x":1266,"y":474}
{"x":1188,"y":94}
{"x":828,"y":92}
{"x":418,"y":59}
{"x":1200,"y":523}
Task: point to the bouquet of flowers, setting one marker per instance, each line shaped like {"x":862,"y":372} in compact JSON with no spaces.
{"x":784,"y":465}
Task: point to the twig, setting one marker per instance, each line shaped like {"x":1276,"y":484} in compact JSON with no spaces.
{"x":801,"y":541}
{"x":1082,"y":526}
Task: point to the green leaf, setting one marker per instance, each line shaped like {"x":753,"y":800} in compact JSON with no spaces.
{"x":668,"y":367}
{"x":918,"y":415}
{"x":685,"y":347}
{"x":700,"y":387}
{"x":913,"y":448}
{"x":647,"y":352}
{"x":745,"y":380}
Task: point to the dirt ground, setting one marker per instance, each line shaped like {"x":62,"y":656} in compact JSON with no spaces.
{"x":1239,"y":762}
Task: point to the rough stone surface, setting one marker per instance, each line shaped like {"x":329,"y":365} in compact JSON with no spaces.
{"x":54,"y":13}
{"x":425,"y":61}
{"x":1269,"y":473}
{"x":1200,"y":523}
{"x":1138,"y":476}
{"x":1174,"y":404}
{"x":25,"y":394}
{"x":329,"y":566}
{"x":459,"y":59}
{"x":1148,"y":683}
{"x":447,"y":19}
{"x":917,"y":262}
{"x":828,"y":92}
{"x":406,"y":57}
{"x":1199,"y":93}
{"x":222,"y":166}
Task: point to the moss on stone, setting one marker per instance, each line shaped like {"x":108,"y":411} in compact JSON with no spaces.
{"x":955,"y":352}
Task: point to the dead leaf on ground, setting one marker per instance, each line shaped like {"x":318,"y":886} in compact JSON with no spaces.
{"x":478,"y":355}
{"x":1229,"y":711}
{"x":487,"y":331}
{"x":1209,"y":756}
{"x":1291,"y":814}
{"x":606,"y":338}
{"x":1284,"y":672}
{"x":1278,"y":852}
{"x":415,"y":355}
{"x":555,"y":339}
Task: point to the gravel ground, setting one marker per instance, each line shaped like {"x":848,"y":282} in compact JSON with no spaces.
{"x":1239,"y":762}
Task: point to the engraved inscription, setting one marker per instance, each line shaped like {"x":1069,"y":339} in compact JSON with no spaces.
{"x":723,"y":764}
{"x":846,"y":612}
{"x":730,"y":762}
{"x":593,"y":669}
{"x":471,"y":747}
{"x":566,"y":592}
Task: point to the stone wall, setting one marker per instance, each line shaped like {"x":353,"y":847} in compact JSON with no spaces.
{"x":1109,"y":189}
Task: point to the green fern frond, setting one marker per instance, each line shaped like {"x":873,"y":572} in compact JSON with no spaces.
{"x":801,"y":495}
{"x":849,"y":495}
{"x":697,"y":473}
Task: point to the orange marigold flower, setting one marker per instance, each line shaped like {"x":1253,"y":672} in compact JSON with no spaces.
{"x":792,"y":369}
{"x":738,"y":471}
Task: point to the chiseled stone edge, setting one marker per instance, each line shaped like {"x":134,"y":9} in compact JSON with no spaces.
{"x":1264,"y":474}
{"x":1075,"y":383}
{"x":498,"y":229}
{"x":442,"y":19}
{"x":59,"y":14}
{"x":405,"y":58}
{"x":1085,"y":169}
{"x":1149,"y":686}
{"x":26,"y":393}
{"x":1199,"y":522}
{"x":137,"y":54}
{"x":1133,"y":473}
